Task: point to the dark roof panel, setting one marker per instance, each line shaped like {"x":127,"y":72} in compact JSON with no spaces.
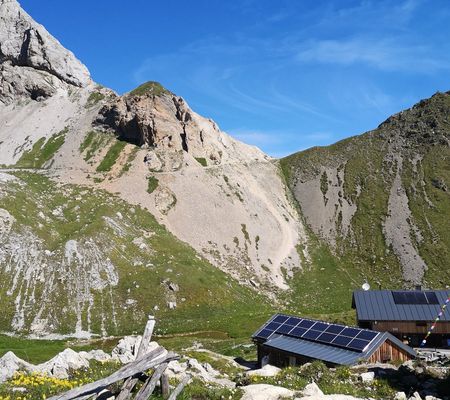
{"x":379,"y":305}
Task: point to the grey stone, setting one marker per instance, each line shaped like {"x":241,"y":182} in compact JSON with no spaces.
{"x":24,"y":42}
{"x":367,"y":376}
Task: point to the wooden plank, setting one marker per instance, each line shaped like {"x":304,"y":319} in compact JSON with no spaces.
{"x":180,"y":387}
{"x":165,"y":388}
{"x":130,"y":383}
{"x":149,"y":386}
{"x":150,"y":360}
{"x":146,"y":337}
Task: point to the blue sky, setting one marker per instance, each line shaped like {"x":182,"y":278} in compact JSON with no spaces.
{"x":284,"y":75}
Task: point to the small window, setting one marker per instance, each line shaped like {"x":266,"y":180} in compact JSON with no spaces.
{"x":421,"y":323}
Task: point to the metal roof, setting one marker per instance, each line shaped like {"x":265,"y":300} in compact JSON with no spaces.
{"x":331,"y":354}
{"x":379,"y":305}
{"x":328,"y":352}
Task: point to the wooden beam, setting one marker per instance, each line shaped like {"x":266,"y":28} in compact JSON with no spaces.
{"x":149,"y":386}
{"x":130,"y":383}
{"x":165,"y":387}
{"x":150,"y":360}
{"x":180,"y":387}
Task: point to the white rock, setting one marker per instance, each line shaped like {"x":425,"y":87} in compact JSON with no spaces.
{"x":172,"y":305}
{"x":267,"y":370}
{"x":415,"y":396}
{"x":400,"y":396}
{"x":97,"y":355}
{"x":312,"y":390}
{"x":367,"y":376}
{"x":266,"y":392}
{"x":127,"y":348}
{"x":60,"y":365}
{"x":10,"y":363}
{"x":27,"y":43}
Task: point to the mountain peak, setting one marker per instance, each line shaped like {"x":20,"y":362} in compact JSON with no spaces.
{"x":25,"y":43}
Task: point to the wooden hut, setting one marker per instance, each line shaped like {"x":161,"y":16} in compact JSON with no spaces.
{"x":406,"y":314}
{"x":287,"y":340}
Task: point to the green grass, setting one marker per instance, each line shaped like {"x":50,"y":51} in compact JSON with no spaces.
{"x":152,"y":184}
{"x":42,"y":151}
{"x":150,"y":88}
{"x":33,"y":351}
{"x":93,"y":142}
{"x":202,"y":161}
{"x":208,"y":300}
{"x":111,"y":156}
{"x":94,"y":98}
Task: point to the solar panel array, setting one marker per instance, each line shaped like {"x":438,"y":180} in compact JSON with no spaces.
{"x":417,"y":297}
{"x":317,"y":331}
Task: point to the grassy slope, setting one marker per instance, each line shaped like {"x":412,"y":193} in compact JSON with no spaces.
{"x":364,"y":254}
{"x":213,"y":301}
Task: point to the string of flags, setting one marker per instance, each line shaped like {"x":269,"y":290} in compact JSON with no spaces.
{"x":438,"y":318}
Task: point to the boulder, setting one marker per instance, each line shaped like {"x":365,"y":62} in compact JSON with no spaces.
{"x":267,"y":370}
{"x":266,"y":392}
{"x":97,"y":355}
{"x":415,"y":396}
{"x":127,"y":348}
{"x":400,"y":396}
{"x":312,"y":390}
{"x":10,"y":363}
{"x":367,"y":376}
{"x":60,"y":365}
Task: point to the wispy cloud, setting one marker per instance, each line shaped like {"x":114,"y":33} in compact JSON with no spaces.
{"x":385,"y":54}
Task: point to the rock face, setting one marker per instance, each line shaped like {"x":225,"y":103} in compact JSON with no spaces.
{"x":153,"y":116}
{"x":25,"y":43}
{"x":32,"y":62}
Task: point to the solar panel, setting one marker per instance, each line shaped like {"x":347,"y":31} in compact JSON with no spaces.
{"x":342,"y":341}
{"x":273,"y":326}
{"x":334,"y":329}
{"x":264,"y":333}
{"x":284,"y":329}
{"x":332,"y":334}
{"x":366,"y":335}
{"x":312,"y":335}
{"x":326,"y":337}
{"x":358,"y":344}
{"x":280,"y":319}
{"x":414,"y":297}
{"x":306,"y":323}
{"x":320,"y":326}
{"x":432,"y":298}
{"x":351,"y":332}
{"x":293,"y":321}
{"x":298,"y":331}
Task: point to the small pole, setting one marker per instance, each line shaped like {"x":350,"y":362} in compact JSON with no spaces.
{"x":165,"y":389}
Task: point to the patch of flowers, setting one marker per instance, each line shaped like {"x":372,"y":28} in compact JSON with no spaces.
{"x":35,"y":386}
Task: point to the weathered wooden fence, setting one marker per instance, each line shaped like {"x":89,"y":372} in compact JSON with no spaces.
{"x":130,"y":374}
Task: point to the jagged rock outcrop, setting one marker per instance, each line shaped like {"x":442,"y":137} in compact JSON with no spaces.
{"x":30,"y":58}
{"x":155,"y":117}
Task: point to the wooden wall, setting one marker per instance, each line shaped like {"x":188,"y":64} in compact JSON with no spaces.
{"x":411,"y":327}
{"x":389,"y":352}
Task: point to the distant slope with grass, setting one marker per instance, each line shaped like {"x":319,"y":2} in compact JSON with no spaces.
{"x":378,"y":204}
{"x":75,"y":260}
